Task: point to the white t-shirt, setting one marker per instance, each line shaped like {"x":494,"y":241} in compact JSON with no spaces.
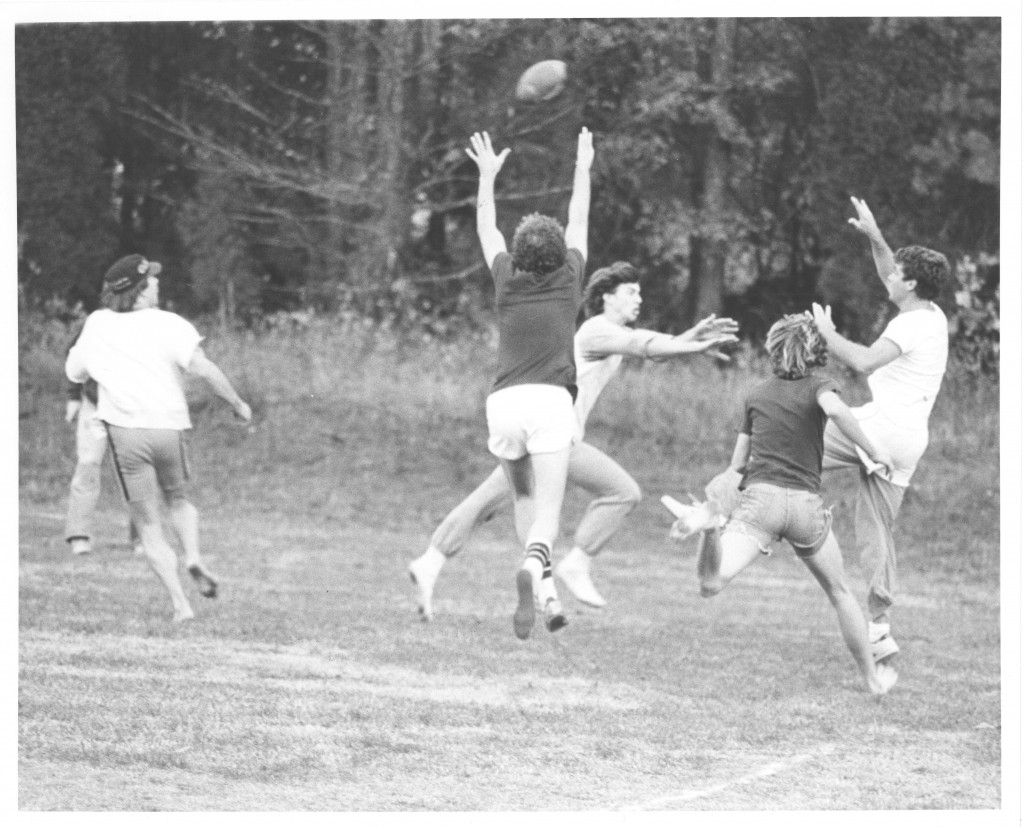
{"x":137,"y":358}
{"x":905,"y":389}
{"x":595,"y":366}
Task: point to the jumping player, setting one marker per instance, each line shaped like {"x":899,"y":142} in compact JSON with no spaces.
{"x":905,"y":366}
{"x":530,"y":421}
{"x":611,"y":302}
{"x":136,"y":353}
{"x":779,"y":454}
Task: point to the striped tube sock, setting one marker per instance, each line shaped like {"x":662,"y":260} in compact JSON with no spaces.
{"x":542,"y":554}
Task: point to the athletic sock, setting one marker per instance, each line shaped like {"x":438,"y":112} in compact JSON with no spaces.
{"x":541,"y":553}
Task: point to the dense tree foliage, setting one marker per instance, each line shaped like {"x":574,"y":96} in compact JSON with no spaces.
{"x":320,"y":164}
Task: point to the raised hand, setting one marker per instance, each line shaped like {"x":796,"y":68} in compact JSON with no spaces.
{"x":585,"y":149}
{"x":823,"y":318}
{"x":865,"y":220}
{"x":484,"y":156}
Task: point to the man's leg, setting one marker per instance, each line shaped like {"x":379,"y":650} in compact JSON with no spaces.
{"x":538,"y":488}
{"x":878,"y":503}
{"x":453,"y":533}
{"x":722,"y":556}
{"x":184,"y":519}
{"x":90,"y":448}
{"x":827,"y":567}
{"x":161,"y":557}
{"x":617,"y":494}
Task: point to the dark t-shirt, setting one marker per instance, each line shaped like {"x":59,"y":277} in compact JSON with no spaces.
{"x":787,"y":430}
{"x":536,"y":323}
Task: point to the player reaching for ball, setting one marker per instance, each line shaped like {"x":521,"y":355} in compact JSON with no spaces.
{"x":612,"y":302}
{"x":530,"y":419}
{"x":905,"y":366}
{"x":778,"y":453}
{"x":136,"y":353}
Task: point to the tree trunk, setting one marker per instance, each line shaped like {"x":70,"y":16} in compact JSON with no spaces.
{"x":714,"y":203}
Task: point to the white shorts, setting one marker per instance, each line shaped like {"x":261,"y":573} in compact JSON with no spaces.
{"x":530,"y":419}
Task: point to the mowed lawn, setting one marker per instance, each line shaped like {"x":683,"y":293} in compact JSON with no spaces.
{"x":310,"y":684}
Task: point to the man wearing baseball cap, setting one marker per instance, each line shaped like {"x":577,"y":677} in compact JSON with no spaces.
{"x":137,"y":354}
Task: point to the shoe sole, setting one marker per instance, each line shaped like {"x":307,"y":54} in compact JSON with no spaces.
{"x":556,"y":622}
{"x":523,"y":619}
{"x":420,"y":607}
{"x":207,"y":585}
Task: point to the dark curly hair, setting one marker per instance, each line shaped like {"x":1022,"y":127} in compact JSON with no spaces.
{"x":795,"y":346}
{"x":123,"y":302}
{"x":604,"y":281}
{"x":538,"y":245}
{"x":928,"y":268}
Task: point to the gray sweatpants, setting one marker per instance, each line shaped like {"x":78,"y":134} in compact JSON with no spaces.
{"x":878,"y":503}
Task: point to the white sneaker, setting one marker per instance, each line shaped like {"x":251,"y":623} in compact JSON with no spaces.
{"x":80,"y":545}
{"x":887,"y":677}
{"x":690,"y":519}
{"x":423,"y":572}
{"x":574,"y":572}
{"x":883,"y":646}
{"x":554,"y":617}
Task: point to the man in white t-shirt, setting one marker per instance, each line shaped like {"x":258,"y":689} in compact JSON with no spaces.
{"x":905,"y":367}
{"x":137,"y":353}
{"x":611,"y":301}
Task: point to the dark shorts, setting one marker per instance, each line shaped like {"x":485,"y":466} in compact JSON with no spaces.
{"x":768,"y":513}
{"x":148,"y":461}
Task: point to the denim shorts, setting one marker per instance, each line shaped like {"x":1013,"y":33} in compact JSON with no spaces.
{"x":768,"y":513}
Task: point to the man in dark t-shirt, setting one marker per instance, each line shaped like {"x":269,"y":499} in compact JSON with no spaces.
{"x":779,"y":452}
{"x":536,"y":323}
{"x":530,"y":419}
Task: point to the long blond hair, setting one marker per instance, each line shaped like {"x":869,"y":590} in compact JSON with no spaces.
{"x":795,"y":346}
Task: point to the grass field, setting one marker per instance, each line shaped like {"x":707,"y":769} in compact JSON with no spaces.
{"x":311,"y":685}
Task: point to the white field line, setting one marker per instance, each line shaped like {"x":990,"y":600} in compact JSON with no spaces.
{"x":774,"y":768}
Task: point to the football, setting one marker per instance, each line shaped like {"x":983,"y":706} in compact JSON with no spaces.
{"x":542,"y":82}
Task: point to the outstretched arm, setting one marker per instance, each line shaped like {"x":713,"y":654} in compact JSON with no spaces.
{"x":482,"y":153}
{"x":202,"y":367}
{"x":836,"y":410}
{"x":579,"y":205}
{"x":885,"y":263}
{"x":862,"y":359}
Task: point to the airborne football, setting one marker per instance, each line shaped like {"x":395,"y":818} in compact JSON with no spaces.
{"x":542,"y":82}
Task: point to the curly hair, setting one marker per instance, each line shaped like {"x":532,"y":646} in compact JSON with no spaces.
{"x":538,"y":245}
{"x":928,"y":268}
{"x":795,"y":346}
{"x":123,"y":302}
{"x":604,"y":281}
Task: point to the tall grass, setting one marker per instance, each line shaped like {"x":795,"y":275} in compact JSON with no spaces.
{"x":345,"y":400}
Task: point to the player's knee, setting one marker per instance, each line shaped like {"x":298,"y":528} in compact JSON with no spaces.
{"x":630,"y":495}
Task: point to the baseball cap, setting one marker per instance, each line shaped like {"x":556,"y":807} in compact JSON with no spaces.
{"x":125,"y":273}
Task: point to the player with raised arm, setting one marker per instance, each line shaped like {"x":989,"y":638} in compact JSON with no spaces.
{"x":136,"y":353}
{"x":778,"y":455}
{"x":530,"y":419}
{"x":611,"y":302}
{"x":904,"y":368}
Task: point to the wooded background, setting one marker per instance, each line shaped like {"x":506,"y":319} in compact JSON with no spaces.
{"x":302,"y":165}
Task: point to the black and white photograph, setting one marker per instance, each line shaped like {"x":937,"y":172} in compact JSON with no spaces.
{"x":449,"y":411}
